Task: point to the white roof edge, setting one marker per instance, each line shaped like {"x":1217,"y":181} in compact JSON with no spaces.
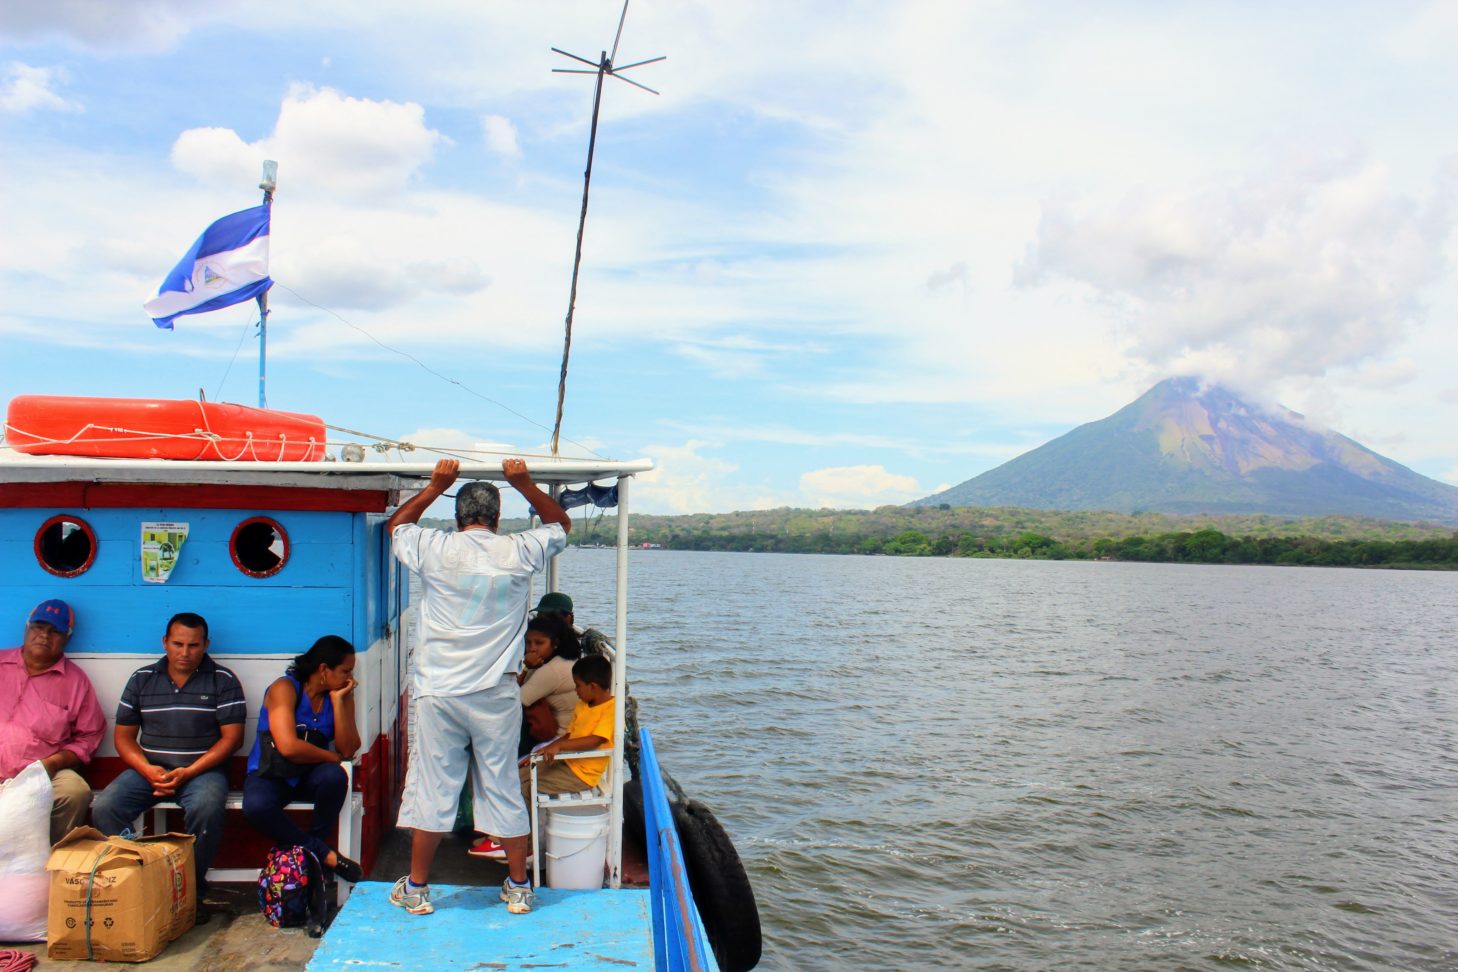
{"x":325,"y":475}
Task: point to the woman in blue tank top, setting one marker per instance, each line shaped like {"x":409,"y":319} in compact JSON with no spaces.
{"x":314,"y":699}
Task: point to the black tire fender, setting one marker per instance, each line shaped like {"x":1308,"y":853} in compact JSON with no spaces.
{"x":720,"y":887}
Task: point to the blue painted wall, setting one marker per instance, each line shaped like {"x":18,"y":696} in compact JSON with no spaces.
{"x":338,"y":580}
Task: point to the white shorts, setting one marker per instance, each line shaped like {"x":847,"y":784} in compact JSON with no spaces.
{"x":490,"y":721}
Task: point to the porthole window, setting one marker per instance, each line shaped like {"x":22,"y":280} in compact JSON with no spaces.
{"x":65,"y":546}
{"x":259,"y":546}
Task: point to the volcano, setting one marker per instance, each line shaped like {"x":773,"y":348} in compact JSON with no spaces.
{"x":1188,"y":447}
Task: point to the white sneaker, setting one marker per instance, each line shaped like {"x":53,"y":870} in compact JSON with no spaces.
{"x":519,"y":899}
{"x":414,"y":902}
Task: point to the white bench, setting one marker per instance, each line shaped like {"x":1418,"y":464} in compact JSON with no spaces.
{"x":350,"y":817}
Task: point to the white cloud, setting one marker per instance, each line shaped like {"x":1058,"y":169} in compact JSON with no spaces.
{"x":739,"y":355}
{"x":325,"y":142}
{"x":501,"y":136}
{"x":684,"y":480}
{"x":343,"y":273}
{"x":95,"y":234}
{"x":681,"y":481}
{"x":217,"y":156}
{"x":26,"y":88}
{"x":1431,"y":32}
{"x":719,"y":362}
{"x":426,"y":255}
{"x":858,"y":487}
{"x":1386,"y":374}
{"x":1313,"y":268}
{"x":451,"y":440}
{"x":933,"y":444}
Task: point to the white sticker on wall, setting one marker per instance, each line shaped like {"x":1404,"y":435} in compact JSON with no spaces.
{"x":161,"y":545}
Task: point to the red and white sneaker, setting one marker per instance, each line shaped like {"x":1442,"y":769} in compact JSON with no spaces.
{"x":488,"y":848}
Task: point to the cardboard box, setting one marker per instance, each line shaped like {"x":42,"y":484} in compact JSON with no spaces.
{"x":119,"y":900}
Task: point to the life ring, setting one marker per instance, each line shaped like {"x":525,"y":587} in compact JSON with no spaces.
{"x":720,"y":887}
{"x":144,"y":428}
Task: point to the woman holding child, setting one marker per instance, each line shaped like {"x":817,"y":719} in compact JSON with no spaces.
{"x":306,"y":729}
{"x":551,"y":648}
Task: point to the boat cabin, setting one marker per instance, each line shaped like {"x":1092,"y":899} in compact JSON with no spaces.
{"x":273,"y":555}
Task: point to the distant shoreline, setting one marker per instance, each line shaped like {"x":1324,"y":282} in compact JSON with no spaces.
{"x":1011,"y":533}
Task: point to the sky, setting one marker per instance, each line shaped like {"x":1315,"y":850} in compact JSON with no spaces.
{"x":850,"y":254}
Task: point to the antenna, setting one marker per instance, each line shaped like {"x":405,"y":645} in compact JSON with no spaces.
{"x":602,"y":68}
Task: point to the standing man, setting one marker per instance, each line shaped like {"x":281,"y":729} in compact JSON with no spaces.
{"x":49,"y":712}
{"x":177,"y":724}
{"x":476,"y":588}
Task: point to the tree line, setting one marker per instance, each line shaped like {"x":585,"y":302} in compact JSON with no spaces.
{"x":1048,"y":535}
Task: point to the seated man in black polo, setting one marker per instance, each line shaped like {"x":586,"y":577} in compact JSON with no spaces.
{"x":189,"y":712}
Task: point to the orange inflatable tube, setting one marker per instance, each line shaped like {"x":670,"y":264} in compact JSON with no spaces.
{"x":143,"y":428}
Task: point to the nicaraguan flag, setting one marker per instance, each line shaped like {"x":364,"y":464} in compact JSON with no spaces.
{"x":227,"y":265}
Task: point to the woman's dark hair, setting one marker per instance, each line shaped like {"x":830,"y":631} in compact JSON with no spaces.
{"x":564,"y":638}
{"x":329,"y":650}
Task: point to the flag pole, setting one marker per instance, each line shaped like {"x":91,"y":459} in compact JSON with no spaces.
{"x":268,"y":183}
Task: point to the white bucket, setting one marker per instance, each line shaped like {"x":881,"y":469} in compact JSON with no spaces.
{"x":576,"y":846}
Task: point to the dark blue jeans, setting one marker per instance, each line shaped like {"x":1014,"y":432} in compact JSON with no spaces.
{"x":264,"y":800}
{"x":203,"y":800}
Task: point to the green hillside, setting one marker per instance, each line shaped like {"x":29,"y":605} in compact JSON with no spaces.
{"x":1042,"y":534}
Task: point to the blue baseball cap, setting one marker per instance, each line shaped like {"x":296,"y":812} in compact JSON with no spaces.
{"x":56,"y":613}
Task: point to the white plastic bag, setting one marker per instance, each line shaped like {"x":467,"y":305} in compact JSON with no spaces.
{"x":25,"y":844}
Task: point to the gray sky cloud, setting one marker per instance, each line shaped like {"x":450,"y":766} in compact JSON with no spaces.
{"x":136,"y":25}
{"x":957,"y":273}
{"x":1294,"y":272}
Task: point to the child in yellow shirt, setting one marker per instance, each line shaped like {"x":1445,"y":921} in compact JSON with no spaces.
{"x":591,"y":728}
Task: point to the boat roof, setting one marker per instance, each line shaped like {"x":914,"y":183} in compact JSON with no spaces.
{"x":384,"y":475}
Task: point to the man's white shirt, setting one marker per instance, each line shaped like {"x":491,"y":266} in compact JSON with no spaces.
{"x":475,"y":594}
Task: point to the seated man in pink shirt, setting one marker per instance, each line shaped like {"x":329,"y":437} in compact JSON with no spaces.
{"x":49,"y":712}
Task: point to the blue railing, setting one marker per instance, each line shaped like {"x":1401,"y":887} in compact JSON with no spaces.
{"x":679,"y":941}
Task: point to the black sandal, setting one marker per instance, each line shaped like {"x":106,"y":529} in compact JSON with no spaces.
{"x":347,"y":870}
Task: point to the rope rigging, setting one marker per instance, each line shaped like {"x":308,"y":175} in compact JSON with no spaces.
{"x":431,"y":371}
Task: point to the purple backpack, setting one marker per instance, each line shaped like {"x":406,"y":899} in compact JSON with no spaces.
{"x":291,"y":890}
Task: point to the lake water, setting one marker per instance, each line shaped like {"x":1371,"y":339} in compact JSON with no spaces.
{"x":986,"y":764}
